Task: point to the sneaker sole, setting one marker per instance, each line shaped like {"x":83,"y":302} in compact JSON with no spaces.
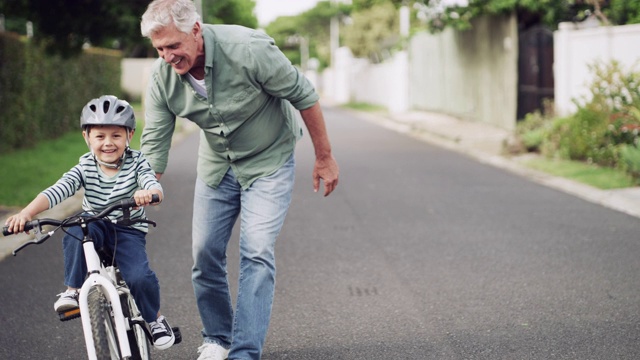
{"x":166,"y":345}
{"x":65,"y":307}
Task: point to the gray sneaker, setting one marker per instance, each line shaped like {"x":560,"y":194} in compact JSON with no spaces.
{"x":68,"y":300}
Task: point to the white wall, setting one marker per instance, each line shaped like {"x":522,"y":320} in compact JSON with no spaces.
{"x":135,"y":73}
{"x":471,"y":75}
{"x":575,"y":49}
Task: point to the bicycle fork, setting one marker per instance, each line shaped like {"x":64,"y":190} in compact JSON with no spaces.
{"x":110,"y":292}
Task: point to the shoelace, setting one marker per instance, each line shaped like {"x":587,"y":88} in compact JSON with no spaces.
{"x":69,"y":294}
{"x":157,"y":327}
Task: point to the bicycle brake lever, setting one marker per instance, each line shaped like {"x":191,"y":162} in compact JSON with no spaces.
{"x":150,"y":222}
{"x":40,"y":238}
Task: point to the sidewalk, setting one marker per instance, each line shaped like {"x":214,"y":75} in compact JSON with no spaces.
{"x":485,"y":143}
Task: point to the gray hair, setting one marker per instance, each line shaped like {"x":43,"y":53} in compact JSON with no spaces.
{"x":161,"y":13}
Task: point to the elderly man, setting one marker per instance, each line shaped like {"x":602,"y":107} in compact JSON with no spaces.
{"x":241,"y":90}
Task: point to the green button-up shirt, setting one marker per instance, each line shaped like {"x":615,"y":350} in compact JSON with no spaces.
{"x":247,"y":121}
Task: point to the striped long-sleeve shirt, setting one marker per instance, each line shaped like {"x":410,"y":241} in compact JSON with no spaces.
{"x":101,"y":190}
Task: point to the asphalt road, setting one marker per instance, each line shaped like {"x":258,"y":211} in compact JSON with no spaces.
{"x":421,"y":253}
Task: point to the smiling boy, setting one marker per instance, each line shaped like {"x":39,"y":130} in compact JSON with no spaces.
{"x":110,"y":172}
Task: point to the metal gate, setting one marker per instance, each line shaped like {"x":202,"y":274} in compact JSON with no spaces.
{"x":535,"y":69}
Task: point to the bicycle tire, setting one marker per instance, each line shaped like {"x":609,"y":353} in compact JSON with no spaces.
{"x":102,"y":325}
{"x":138,"y":341}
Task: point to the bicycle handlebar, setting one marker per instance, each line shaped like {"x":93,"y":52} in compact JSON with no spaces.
{"x":125,"y":205}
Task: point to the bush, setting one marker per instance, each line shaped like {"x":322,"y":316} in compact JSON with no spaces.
{"x":532,"y":131}
{"x":605,"y":128}
{"x":45,"y":93}
{"x":630,"y":160}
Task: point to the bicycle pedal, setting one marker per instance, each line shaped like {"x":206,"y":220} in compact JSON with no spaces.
{"x":177,"y":334}
{"x":69,"y":314}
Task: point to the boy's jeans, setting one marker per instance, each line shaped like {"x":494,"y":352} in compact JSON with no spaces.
{"x":131,"y":257}
{"x":262,"y":209}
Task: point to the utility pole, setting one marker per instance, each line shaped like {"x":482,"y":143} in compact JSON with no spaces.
{"x":302,"y":42}
{"x":199,"y":9}
{"x":404,"y":21}
{"x":334,"y":31}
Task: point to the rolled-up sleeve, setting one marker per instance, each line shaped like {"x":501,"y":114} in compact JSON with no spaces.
{"x":277,"y":76}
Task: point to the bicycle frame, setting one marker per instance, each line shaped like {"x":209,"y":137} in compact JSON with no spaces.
{"x":104,"y":278}
{"x":99,"y":277}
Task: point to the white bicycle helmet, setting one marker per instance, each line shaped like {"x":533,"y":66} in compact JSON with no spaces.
{"x":108,"y":110}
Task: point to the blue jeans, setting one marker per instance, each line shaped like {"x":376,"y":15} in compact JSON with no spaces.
{"x":262,"y":209}
{"x":131,"y":257}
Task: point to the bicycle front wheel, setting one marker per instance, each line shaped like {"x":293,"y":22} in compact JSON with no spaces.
{"x":102,"y":326}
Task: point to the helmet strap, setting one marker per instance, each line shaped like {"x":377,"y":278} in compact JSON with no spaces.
{"x":115,"y":165}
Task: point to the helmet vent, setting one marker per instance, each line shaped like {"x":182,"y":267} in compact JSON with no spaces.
{"x":108,"y":110}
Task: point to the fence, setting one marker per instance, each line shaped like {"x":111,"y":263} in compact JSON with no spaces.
{"x":472,"y":75}
{"x":575,"y":49}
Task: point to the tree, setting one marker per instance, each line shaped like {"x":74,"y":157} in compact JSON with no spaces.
{"x":313,"y":25}
{"x":238,"y":12}
{"x":623,"y":11}
{"x":548,"y":12}
{"x":64,"y":26}
{"x":373,"y":31}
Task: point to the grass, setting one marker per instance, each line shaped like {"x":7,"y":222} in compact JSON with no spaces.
{"x":596,"y":176}
{"x":361,"y":106}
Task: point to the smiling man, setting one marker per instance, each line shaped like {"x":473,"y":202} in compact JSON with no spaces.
{"x":239,"y":88}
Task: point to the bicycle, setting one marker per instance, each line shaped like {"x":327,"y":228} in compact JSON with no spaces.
{"x":113,"y":328}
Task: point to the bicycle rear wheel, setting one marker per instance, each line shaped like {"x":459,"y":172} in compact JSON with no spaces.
{"x":102,"y":325}
{"x":138,"y":341}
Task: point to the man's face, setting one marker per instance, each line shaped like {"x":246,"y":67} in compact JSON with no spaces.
{"x":177,"y":48}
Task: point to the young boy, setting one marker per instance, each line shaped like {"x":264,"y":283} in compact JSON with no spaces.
{"x":110,"y":172}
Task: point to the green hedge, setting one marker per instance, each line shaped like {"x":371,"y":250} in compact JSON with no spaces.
{"x":42,"y":94}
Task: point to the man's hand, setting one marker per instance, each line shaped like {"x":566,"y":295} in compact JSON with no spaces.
{"x":326,"y":167}
{"x":327,"y":170}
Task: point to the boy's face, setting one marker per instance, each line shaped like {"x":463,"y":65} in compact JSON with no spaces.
{"x":107,"y":142}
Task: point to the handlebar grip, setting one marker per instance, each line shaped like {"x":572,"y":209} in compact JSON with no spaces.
{"x":27,"y":226}
{"x":131,"y":203}
{"x":128,"y":203}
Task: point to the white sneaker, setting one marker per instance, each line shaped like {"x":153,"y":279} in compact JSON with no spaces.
{"x":209,"y":351}
{"x":68,"y":300}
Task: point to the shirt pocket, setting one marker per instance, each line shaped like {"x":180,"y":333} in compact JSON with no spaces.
{"x":241,"y":105}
